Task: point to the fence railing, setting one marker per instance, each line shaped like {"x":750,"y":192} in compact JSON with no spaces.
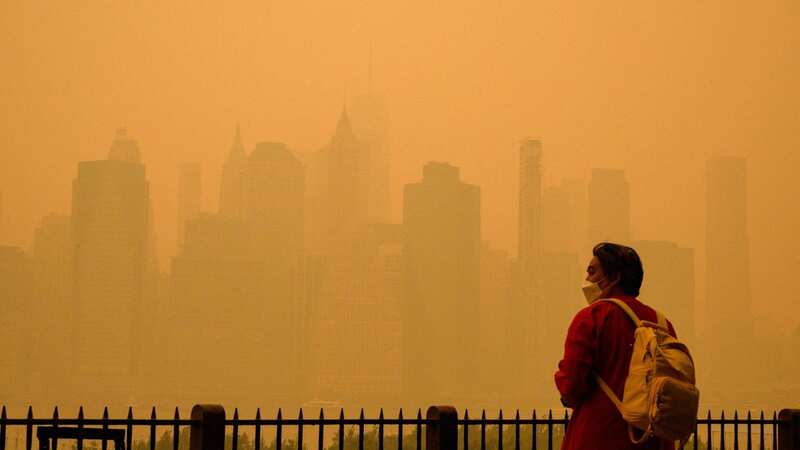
{"x":442,"y":428}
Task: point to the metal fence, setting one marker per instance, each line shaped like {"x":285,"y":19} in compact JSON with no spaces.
{"x":440,"y":429}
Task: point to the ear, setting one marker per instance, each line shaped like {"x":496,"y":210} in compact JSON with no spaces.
{"x":616,"y":280}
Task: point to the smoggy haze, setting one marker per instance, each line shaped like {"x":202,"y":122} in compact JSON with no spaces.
{"x":654,"y":89}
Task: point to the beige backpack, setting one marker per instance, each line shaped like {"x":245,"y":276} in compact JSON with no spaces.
{"x":660,"y":397}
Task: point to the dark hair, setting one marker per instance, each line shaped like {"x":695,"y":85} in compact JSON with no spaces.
{"x":616,"y":259}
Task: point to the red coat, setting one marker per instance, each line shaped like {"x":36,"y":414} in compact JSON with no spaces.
{"x":600,"y":339}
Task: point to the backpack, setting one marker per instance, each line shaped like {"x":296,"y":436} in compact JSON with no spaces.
{"x":660,"y":397}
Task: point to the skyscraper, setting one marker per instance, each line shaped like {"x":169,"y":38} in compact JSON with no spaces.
{"x":369,"y":118}
{"x":344,"y":208}
{"x":609,"y":207}
{"x":729,"y":319}
{"x":110,"y":228}
{"x":441,"y":216}
{"x":52,"y":303}
{"x":16,"y":279}
{"x":231,"y":194}
{"x":189,"y":195}
{"x":527,"y":271}
{"x":669,"y":284}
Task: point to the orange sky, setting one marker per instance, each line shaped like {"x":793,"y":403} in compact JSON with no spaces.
{"x":654,"y":88}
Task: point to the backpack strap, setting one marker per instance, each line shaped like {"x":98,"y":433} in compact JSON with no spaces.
{"x":625,"y":307}
{"x":662,"y":319}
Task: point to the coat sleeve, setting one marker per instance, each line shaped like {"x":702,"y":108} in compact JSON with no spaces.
{"x":574,"y":376}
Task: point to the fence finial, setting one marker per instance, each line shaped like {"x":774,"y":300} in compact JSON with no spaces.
{"x":300,"y":415}
{"x":30,"y":412}
{"x":105,"y":413}
{"x":80,"y":413}
{"x":130,"y":412}
{"x":177,"y":415}
{"x":235,"y":413}
{"x":258,"y":414}
{"x":55,"y":413}
{"x":153,"y":413}
{"x":3,"y":413}
{"x":399,"y":416}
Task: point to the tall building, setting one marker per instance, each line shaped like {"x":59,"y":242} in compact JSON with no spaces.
{"x":729,"y":319}
{"x":52,"y":305}
{"x":669,"y":284}
{"x":576,"y":191}
{"x":16,"y":279}
{"x":441,"y":216}
{"x":370,"y":124}
{"x":344,"y":208}
{"x":189,"y":195}
{"x":527,"y":268}
{"x":110,"y":229}
{"x":231,"y":194}
{"x":217,"y":316}
{"x":609,"y":207}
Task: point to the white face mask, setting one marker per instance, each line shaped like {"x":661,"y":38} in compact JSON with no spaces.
{"x":591,"y":291}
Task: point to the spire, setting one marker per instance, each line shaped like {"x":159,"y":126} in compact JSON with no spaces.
{"x":237,"y":149}
{"x":343,"y":127}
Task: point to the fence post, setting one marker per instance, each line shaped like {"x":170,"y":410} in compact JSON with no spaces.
{"x":441,"y":432}
{"x":208,"y":428}
{"x":789,"y":429}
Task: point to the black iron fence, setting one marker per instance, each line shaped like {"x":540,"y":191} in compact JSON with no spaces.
{"x":440,"y":429}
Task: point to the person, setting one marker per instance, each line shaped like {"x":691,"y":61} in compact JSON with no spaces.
{"x":600,"y":341}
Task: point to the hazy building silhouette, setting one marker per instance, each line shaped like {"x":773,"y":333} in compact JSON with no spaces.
{"x":52,"y":305}
{"x":609,"y":207}
{"x":16,"y":279}
{"x":356,"y":336}
{"x":669,"y":284}
{"x":110,"y":209}
{"x":370,"y":124}
{"x":231,"y":194}
{"x":189,"y":194}
{"x":529,"y":254}
{"x":344,"y":201}
{"x":441,"y":216}
{"x":728,"y":318}
{"x":576,"y":192}
{"x":495,"y":337}
{"x":218,"y":324}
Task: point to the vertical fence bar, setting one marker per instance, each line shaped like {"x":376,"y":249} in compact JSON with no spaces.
{"x":361,"y":430}
{"x":341,"y":429}
{"x":80,"y":427}
{"x":380,"y":430}
{"x":534,"y":430}
{"x":500,"y":430}
{"x":299,"y":430}
{"x":152,"y":429}
{"x":735,"y":429}
{"x":278,"y":431}
{"x":257,"y":442}
{"x":550,"y":430}
{"x":105,"y":427}
{"x":419,"y":428}
{"x":722,"y":431}
{"x":774,"y":430}
{"x":709,"y":435}
{"x":466,"y":430}
{"x":516,"y":431}
{"x":749,"y":431}
{"x":399,"y":430}
{"x":235,"y":436}
{"x":321,"y":435}
{"x":176,"y":432}
{"x":129,"y":429}
{"x":483,"y":429}
{"x":695,"y":443}
{"x":761,"y":432}
{"x":3,"y":428}
{"x":55,"y":428}
{"x":29,"y":429}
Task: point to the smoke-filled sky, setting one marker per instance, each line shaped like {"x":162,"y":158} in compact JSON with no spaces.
{"x":652,"y":87}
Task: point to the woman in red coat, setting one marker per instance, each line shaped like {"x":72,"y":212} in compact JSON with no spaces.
{"x":600,"y":341}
